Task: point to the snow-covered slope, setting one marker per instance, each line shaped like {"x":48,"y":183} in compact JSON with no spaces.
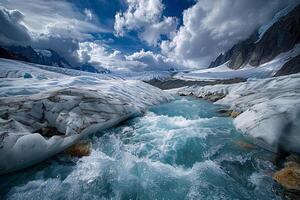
{"x":17,"y":69}
{"x":271,"y":108}
{"x":71,"y":106}
{"x":223,"y":72}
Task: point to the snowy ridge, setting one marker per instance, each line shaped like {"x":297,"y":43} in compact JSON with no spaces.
{"x":281,"y":13}
{"x":74,"y":106}
{"x":17,"y":69}
{"x":223,"y":72}
{"x":271,"y":108}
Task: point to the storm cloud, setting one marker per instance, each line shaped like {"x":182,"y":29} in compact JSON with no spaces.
{"x":13,"y":31}
{"x":211,"y":27}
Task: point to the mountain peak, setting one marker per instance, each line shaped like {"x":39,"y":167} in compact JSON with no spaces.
{"x":259,"y":48}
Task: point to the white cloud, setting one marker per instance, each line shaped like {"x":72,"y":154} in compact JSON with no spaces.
{"x":98,"y":53}
{"x":152,"y":33}
{"x":88,"y":13}
{"x":151,"y":61}
{"x":144,"y":16}
{"x":211,"y":27}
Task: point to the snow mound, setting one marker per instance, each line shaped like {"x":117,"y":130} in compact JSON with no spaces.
{"x":73,"y":106}
{"x":271,"y":108}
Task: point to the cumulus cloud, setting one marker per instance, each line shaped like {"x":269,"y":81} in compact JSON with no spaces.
{"x":144,"y":16}
{"x":97,"y":52}
{"x":211,"y":27}
{"x":151,"y":61}
{"x":13,"y":30}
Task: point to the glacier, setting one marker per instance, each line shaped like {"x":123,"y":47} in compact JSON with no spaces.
{"x":75,"y":106}
{"x":270,"y":108}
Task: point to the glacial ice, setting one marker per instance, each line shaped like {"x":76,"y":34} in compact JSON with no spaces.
{"x":75,"y":106}
{"x":270,"y":108}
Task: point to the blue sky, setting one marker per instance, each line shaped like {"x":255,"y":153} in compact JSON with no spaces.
{"x":135,"y":35}
{"x":105,"y":12}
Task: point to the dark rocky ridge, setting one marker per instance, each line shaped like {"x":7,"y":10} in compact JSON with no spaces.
{"x":291,"y":67}
{"x":10,"y":55}
{"x":177,"y":83}
{"x":280,"y":37}
{"x":34,"y":56}
{"x":31,"y":55}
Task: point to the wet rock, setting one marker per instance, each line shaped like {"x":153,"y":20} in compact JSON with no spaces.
{"x":234,"y":114}
{"x":223,"y":111}
{"x":49,"y":132}
{"x":289,"y":176}
{"x":245,"y":145}
{"x":230,"y":113}
{"x":82,"y":148}
{"x":213,"y":96}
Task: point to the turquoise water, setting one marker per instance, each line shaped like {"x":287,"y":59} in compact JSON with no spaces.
{"x":180,"y":150}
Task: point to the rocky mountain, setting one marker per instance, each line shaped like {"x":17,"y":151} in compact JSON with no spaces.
{"x":280,"y":37}
{"x":46,"y":57}
{"x":4,"y":53}
{"x":290,"y":67}
{"x":43,"y":57}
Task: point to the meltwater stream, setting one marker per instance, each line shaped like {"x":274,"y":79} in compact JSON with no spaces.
{"x":180,"y":150}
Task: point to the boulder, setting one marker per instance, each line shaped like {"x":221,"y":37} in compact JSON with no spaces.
{"x":289,"y":176}
{"x":80,"y":149}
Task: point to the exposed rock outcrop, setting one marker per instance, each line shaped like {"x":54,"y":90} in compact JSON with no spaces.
{"x":4,"y":53}
{"x":230,"y":113}
{"x":43,"y":57}
{"x":80,"y":149}
{"x":291,"y":67}
{"x":177,"y":83}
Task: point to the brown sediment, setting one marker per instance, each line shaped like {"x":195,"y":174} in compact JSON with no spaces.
{"x":244,"y":144}
{"x":82,"y":148}
{"x":230,"y":113}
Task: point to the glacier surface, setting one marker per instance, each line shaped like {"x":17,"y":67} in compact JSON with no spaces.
{"x":270,"y":108}
{"x":75,"y":106}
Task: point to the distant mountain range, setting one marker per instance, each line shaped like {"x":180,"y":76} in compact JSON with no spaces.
{"x":45,"y":57}
{"x":281,"y":36}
